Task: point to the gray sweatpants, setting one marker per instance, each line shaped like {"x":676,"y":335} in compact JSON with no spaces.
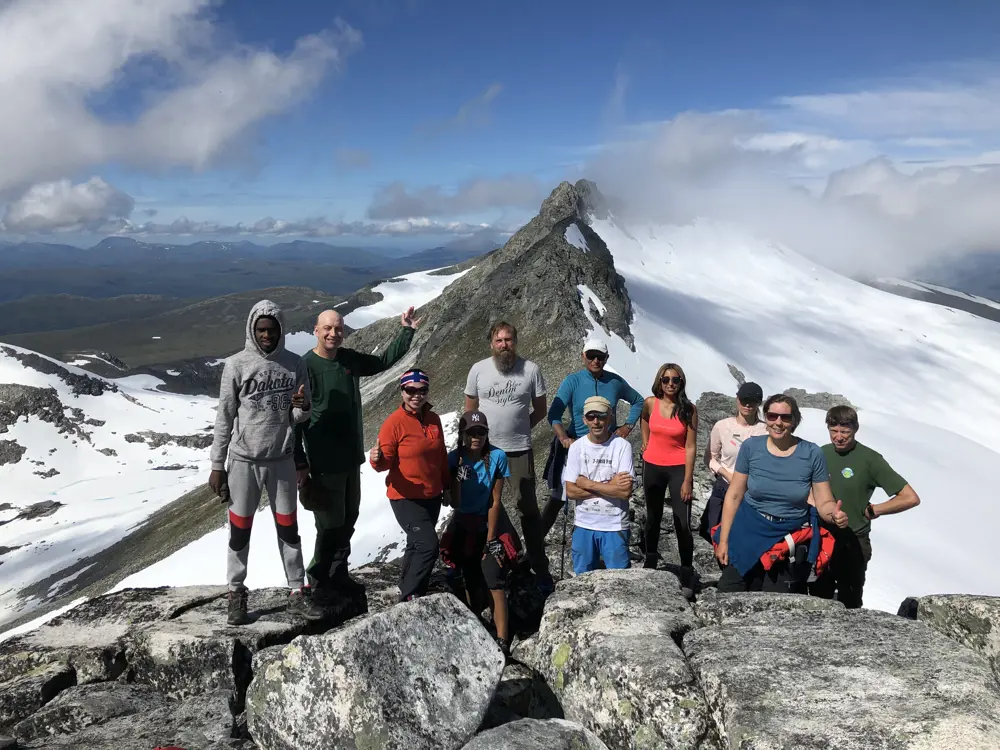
{"x":246,"y":480}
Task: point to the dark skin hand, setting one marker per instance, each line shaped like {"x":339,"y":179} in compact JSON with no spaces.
{"x":216,"y":480}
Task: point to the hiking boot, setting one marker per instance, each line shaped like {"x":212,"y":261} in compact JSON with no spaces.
{"x":298,"y":602}
{"x":348,"y":585}
{"x":238,"y":608}
{"x":687,"y":583}
{"x":545,"y":583}
{"x":504,"y":645}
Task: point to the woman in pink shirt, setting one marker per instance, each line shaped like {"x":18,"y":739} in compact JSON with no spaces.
{"x":724,"y":444}
{"x":669,"y":425}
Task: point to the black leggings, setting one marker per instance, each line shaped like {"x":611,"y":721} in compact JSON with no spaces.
{"x":418,"y":519}
{"x":656,"y":481}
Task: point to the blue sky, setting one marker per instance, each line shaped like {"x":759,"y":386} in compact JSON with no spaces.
{"x":465,"y":113}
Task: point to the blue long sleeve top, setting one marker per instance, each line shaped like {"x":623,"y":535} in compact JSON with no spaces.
{"x":581,"y":385}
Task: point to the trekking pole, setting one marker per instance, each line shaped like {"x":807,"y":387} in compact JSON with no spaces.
{"x":562,"y":556}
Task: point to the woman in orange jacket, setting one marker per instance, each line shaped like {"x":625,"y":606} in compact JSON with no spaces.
{"x":411,"y":448}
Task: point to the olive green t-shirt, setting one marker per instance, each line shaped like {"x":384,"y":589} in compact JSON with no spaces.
{"x":854,"y":475}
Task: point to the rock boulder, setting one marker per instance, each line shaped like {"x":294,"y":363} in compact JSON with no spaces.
{"x":973,"y":621}
{"x":607,"y":647}
{"x":532,"y":734}
{"x":842,"y":679}
{"x":720,"y":609}
{"x":418,"y":675}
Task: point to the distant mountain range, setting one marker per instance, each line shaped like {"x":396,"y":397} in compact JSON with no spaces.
{"x":119,"y":266}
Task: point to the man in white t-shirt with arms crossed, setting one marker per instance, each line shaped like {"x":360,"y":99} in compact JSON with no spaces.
{"x":598,"y":475}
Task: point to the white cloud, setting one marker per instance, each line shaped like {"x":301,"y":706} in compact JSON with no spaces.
{"x":836,"y":185}
{"x":55,"y":206}
{"x":313,"y":227}
{"x":56,"y":56}
{"x":396,"y":201}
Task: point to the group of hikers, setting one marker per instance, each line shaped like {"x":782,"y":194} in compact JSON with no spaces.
{"x":784,"y":514}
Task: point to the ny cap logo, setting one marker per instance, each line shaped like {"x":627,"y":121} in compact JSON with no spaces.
{"x":475,"y":417}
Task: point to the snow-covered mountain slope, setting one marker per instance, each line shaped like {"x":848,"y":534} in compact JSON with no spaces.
{"x":924,"y":378}
{"x":416,"y":289}
{"x":82,"y":461}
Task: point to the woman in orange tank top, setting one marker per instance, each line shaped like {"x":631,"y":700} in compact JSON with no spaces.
{"x":669,"y":426}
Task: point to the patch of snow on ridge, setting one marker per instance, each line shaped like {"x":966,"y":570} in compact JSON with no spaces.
{"x":415,"y":289}
{"x":923,"y":376}
{"x":575,"y":237}
{"x":204,"y":560}
{"x":106,"y":487}
{"x":300,"y":342}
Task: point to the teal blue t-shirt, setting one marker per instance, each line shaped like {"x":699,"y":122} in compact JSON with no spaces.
{"x":476,"y":490}
{"x":779,"y":485}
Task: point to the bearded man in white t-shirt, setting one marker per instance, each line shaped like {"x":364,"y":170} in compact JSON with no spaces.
{"x":598,"y":476}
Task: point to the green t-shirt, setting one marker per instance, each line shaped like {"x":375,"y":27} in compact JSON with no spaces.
{"x":853,"y":478}
{"x":334,"y":434}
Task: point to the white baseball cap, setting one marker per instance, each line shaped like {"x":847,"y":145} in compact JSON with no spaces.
{"x":595,"y":345}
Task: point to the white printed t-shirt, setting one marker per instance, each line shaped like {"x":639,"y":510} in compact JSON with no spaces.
{"x":599,"y":462}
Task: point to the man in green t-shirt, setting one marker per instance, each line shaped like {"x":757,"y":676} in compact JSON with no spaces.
{"x":329,"y":448}
{"x":855,"y":471}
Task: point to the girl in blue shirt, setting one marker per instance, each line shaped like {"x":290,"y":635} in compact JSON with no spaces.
{"x":480,"y":542}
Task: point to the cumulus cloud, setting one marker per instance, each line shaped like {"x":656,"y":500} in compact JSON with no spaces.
{"x":396,"y":201}
{"x":56,"y":56}
{"x":63,"y":206}
{"x":838,"y":195}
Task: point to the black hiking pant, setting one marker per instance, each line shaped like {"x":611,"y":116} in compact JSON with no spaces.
{"x":418,"y":518}
{"x":712,"y":515}
{"x":656,"y":482}
{"x":782,"y":578}
{"x":847,"y":570}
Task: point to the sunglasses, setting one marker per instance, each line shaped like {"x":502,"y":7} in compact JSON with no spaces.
{"x":749,"y":402}
{"x":595,"y":415}
{"x":773,"y":417}
{"x":673,"y":380}
{"x":414,"y":391}
{"x":478,"y":432}
{"x":599,"y":356}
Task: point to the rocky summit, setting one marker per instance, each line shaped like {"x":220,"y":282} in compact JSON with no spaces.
{"x":619,"y":660}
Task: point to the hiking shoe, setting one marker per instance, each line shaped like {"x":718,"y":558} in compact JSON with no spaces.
{"x":238,"y":608}
{"x":298,"y":602}
{"x":687,"y":583}
{"x":504,"y":645}
{"x":545,"y":583}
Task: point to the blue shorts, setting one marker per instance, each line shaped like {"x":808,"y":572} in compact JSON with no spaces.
{"x":589,"y":547}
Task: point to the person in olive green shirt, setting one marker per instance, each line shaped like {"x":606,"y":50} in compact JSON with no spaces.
{"x":855,"y":471}
{"x":329,"y":448}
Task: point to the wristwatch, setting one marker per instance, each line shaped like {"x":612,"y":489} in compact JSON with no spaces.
{"x":870,"y":513}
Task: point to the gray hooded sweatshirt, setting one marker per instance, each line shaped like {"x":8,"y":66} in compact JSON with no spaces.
{"x":255,"y":417}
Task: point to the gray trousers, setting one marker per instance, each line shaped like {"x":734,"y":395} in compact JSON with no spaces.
{"x":246,"y":481}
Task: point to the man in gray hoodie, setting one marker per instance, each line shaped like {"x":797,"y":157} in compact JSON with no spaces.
{"x":264,"y":393}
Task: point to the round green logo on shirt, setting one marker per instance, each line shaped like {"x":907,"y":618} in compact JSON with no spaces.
{"x":847,"y":472}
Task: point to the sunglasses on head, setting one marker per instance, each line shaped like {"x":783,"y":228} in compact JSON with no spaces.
{"x":409,"y":391}
{"x":595,"y":415}
{"x":476,"y":432}
{"x":600,"y":356}
{"x":673,"y":380}
{"x":774,"y":417}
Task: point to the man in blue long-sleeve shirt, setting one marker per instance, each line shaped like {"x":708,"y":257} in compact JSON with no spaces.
{"x":592,"y":380}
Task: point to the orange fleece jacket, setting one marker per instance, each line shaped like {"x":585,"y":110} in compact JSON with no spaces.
{"x":414,"y":452}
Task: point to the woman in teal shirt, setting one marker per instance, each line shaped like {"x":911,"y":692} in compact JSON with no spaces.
{"x":480,"y":542}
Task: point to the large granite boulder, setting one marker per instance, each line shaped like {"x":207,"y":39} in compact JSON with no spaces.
{"x":418,"y":675}
{"x":720,"y":609}
{"x":973,"y":621}
{"x":533,"y":734}
{"x":203,"y":721}
{"x":607,"y":647}
{"x":842,"y":679}
{"x":21,"y":696}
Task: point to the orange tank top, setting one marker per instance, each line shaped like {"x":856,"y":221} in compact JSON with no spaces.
{"x":667,"y":438}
